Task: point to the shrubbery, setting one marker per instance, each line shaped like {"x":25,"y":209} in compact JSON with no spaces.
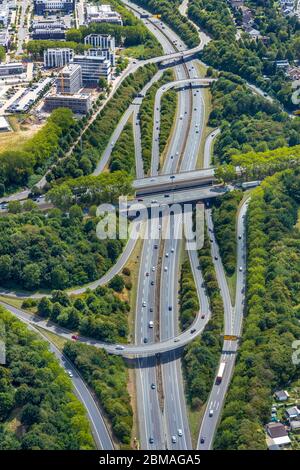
{"x":37,"y":395}
{"x":107,"y":376}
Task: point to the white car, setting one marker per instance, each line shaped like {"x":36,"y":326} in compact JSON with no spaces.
{"x":144,"y":304}
{"x":174,"y":439}
{"x":165,"y":268}
{"x":120,"y":348}
{"x":167,"y":255}
{"x":180,"y":433}
{"x":70,"y":373}
{"x":211,"y":413}
{"x":241,"y":268}
{"x":172,"y":250}
{"x":153,"y":269}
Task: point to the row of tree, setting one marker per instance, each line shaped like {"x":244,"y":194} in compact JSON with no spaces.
{"x":201,"y":356}
{"x":96,"y":137}
{"x":224,"y":214}
{"x":38,"y":410}
{"x":168,"y":108}
{"x":168,"y":9}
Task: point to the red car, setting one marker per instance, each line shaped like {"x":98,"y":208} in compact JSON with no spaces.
{"x":75,"y":337}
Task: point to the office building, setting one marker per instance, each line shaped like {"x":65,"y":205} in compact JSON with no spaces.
{"x":104,"y":43}
{"x":4,"y":38}
{"x":102,"y":14}
{"x":110,"y":56}
{"x":93,"y":68}
{"x":69,"y":80}
{"x":57,"y":57}
{"x":51,"y":6}
{"x":79,"y":104}
{"x":12,"y":68}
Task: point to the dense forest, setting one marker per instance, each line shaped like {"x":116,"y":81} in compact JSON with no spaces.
{"x":248,"y":122}
{"x":38,"y":410}
{"x":107,"y":376}
{"x":53,"y":250}
{"x":251,"y":59}
{"x":264,"y":361}
{"x":201,"y":356}
{"x":97,"y":314}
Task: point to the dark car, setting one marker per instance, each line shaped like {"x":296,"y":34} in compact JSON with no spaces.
{"x":151,"y":440}
{"x":193,"y":330}
{"x":145,"y":340}
{"x":202,"y":440}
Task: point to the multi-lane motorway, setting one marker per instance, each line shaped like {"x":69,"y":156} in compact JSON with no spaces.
{"x":162,"y":412}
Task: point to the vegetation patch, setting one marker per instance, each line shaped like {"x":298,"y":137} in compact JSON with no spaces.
{"x":38,"y":410}
{"x":97,"y":314}
{"x":264,"y":362}
{"x":107,"y":375}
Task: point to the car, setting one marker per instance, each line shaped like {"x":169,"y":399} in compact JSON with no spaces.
{"x":144,"y":303}
{"x":145,"y":340}
{"x":216,"y":258}
{"x":150,"y":309}
{"x":155,"y":246}
{"x":172,"y":250}
{"x":151,"y":440}
{"x":150,"y":324}
{"x":193,"y":330}
{"x":174,"y":440}
{"x":179,"y":432}
{"x":70,"y":373}
{"x":181,"y":117}
{"x":211,"y":240}
{"x":240,"y":237}
{"x":120,"y":348}
{"x":240,"y":268}
{"x":154,"y":201}
{"x":147,"y":274}
{"x":170,"y":308}
{"x":203,"y":315}
{"x":75,"y":337}
{"x":153,"y":269}
{"x":176,"y":340}
{"x":152,"y":283}
{"x":167,"y":255}
{"x":211,"y":413}
{"x":202,"y":440}
{"x":153,"y":386}
{"x":165,"y":269}
{"x":167,"y":195}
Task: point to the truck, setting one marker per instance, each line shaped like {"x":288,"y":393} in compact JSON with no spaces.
{"x":220,"y":373}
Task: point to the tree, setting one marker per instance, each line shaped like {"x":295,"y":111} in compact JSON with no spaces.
{"x":117,"y":283}
{"x":60,"y":196}
{"x":45,"y":307}
{"x":14,"y":207}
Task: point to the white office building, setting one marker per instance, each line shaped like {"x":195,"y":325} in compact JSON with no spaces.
{"x":12,"y":68}
{"x":103,"y":44}
{"x":103,"y":14}
{"x":69,"y":80}
{"x":93,"y":68}
{"x":57,"y":57}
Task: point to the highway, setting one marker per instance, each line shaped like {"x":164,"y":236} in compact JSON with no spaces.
{"x":233,"y":326}
{"x":175,"y":424}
